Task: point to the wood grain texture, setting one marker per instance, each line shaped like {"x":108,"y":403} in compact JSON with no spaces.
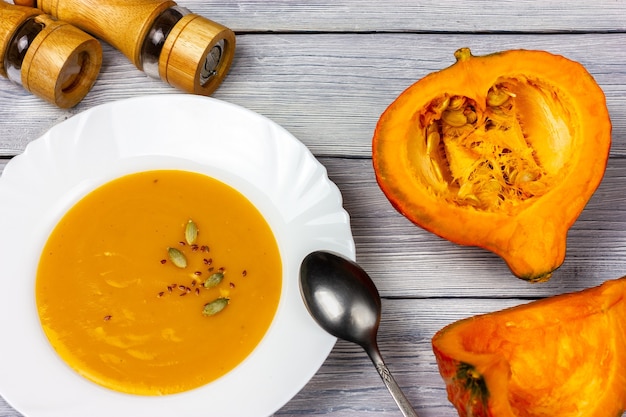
{"x":326,"y":89}
{"x":325,"y":70}
{"x":415,"y":16}
{"x":406,"y":261}
{"x":123,"y":25}
{"x":407,"y":327}
{"x":12,"y":18}
{"x":347,"y":384}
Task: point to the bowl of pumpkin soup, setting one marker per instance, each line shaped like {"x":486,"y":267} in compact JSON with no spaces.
{"x":151,"y":250}
{"x":151,"y":274}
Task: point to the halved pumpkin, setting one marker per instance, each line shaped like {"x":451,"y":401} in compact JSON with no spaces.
{"x":501,"y":151}
{"x":563,"y":356}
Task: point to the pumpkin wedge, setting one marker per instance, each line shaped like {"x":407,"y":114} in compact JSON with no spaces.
{"x":500,"y":151}
{"x":563,"y":356}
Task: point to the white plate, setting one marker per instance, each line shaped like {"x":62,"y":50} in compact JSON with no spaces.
{"x":241,"y":148}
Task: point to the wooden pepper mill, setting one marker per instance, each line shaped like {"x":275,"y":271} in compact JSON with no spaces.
{"x":51,"y":59}
{"x":164,"y":40}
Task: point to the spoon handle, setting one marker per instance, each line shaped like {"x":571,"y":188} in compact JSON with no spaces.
{"x":403,"y":403}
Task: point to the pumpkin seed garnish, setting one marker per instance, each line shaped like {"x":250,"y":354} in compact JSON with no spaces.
{"x":215,"y":275}
{"x":191,"y":232}
{"x":215,"y":306}
{"x":214,"y":280}
{"x":177,"y":257}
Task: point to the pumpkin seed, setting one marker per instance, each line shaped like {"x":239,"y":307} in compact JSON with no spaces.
{"x":214,"y":280}
{"x":215,"y":306}
{"x":471,"y":199}
{"x":470,"y":115}
{"x":454,"y":118}
{"x":440,"y":104}
{"x":191,"y":232}
{"x":496,"y":97}
{"x":456,"y":102}
{"x":436,"y":170}
{"x":177,"y":257}
{"x":432,"y":139}
{"x":536,"y":188}
{"x":527,"y":176}
{"x":493,"y":185}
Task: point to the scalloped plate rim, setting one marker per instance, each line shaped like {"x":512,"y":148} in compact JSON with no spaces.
{"x":65,"y":148}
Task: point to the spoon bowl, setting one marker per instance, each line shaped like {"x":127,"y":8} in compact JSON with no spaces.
{"x":343,"y":300}
{"x":341,"y":297}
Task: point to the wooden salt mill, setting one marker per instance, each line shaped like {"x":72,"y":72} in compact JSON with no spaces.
{"x":164,"y":40}
{"x":49,"y":58}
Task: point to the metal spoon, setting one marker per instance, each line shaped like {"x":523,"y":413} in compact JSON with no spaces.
{"x":344,"y":301}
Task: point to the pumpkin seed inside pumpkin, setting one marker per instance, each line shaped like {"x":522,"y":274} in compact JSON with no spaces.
{"x":481,"y":152}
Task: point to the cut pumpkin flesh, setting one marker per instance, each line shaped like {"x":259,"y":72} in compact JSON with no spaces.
{"x":500,"y":151}
{"x":563,"y":356}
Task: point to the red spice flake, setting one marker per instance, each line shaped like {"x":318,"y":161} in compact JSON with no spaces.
{"x":204,"y":248}
{"x":244,"y":273}
{"x":163,"y":261}
{"x":194,"y":247}
{"x":161,"y":294}
{"x":211,"y":269}
{"x":197,"y":291}
{"x":231,"y":285}
{"x":169,"y":288}
{"x":181,"y":243}
{"x":107,"y":318}
{"x":221,"y":269}
{"x":183,"y":293}
{"x":198,"y":273}
{"x":182,"y":287}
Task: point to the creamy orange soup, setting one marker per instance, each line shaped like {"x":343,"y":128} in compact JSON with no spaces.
{"x":117,"y":304}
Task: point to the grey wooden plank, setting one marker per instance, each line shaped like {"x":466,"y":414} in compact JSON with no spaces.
{"x":423,"y":15}
{"x":409,"y":262}
{"x":405,"y":260}
{"x":328,"y":90}
{"x":347,"y":384}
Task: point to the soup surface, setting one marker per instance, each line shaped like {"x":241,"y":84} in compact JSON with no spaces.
{"x":118,"y":303}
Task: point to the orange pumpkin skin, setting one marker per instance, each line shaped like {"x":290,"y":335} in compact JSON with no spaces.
{"x":560,"y":356}
{"x":510,"y":168}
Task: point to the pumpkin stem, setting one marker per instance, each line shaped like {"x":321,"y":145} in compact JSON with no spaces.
{"x":462,"y":54}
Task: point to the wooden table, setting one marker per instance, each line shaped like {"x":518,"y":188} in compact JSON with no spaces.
{"x":326,"y":70}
